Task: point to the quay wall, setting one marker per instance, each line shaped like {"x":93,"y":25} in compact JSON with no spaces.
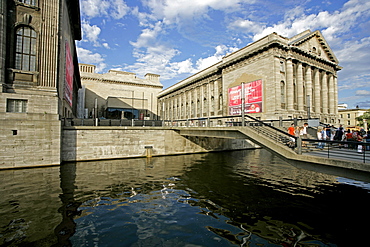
{"x":83,"y":143}
{"x":29,"y":140}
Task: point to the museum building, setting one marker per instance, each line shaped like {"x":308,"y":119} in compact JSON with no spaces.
{"x":39,"y":78}
{"x":117,"y":94}
{"x":276,"y":77}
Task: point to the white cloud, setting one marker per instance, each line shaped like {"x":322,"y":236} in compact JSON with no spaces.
{"x":360,"y":80}
{"x":246,"y":26}
{"x":148,"y":36}
{"x":94,"y":8}
{"x":354,"y":56}
{"x":106,"y":45}
{"x":159,"y":59}
{"x":116,"y":9}
{"x":91,"y":33}
{"x":331,"y":24}
{"x":362,"y":93}
{"x":86,"y":56}
{"x":221,"y":50}
{"x":120,"y":9}
{"x":174,"y":11}
{"x":356,"y":51}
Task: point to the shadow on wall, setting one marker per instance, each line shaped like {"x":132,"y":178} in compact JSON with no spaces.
{"x":116,"y":107}
{"x":220,"y":144}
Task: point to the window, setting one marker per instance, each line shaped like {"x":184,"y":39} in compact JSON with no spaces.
{"x":25,"y":54}
{"x":348,"y":115}
{"x":282,"y":66}
{"x":30,"y":2}
{"x":16,"y":105}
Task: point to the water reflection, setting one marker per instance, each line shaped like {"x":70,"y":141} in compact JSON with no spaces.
{"x":243,"y":198}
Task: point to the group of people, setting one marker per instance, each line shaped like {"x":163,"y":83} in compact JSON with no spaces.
{"x":340,"y":134}
{"x":297,"y":131}
{"x":330,"y":133}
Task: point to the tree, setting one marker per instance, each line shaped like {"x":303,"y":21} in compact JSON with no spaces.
{"x":361,"y":118}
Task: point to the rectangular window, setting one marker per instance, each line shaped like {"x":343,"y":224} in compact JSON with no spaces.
{"x":348,"y":115}
{"x":16,"y":105}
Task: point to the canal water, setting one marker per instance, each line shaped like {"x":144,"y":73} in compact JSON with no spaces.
{"x":240,"y":198}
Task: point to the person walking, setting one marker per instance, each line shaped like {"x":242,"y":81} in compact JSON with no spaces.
{"x":321,"y":135}
{"x":291,"y":131}
{"x":339,"y":133}
{"x":367,"y":138}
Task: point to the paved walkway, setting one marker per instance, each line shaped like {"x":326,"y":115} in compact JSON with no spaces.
{"x":338,"y":153}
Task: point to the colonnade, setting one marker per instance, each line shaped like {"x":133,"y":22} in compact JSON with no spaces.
{"x":201,"y":100}
{"x":303,"y":85}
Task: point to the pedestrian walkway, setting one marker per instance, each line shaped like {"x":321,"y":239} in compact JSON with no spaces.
{"x":275,"y":140}
{"x":337,"y":150}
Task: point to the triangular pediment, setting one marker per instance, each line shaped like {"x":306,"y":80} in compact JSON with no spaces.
{"x":314,"y":43}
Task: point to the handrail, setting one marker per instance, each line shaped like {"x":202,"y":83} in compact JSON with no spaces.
{"x":338,"y":149}
{"x":272,"y":127}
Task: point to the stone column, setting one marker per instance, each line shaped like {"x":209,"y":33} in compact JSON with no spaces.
{"x":324,"y":88}
{"x":300,"y":87}
{"x":331,"y":100}
{"x":48,"y":43}
{"x":208,"y":113}
{"x":3,"y":34}
{"x":165,"y":109}
{"x":317,"y":91}
{"x":335,"y":95}
{"x":200,"y":98}
{"x":217,"y":96}
{"x":277,"y":84}
{"x":195,"y":99}
{"x":186,"y":104}
{"x":290,"y":93}
{"x":308,"y":79}
{"x":171,"y":109}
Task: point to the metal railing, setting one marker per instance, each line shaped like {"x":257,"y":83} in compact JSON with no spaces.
{"x":110,"y":122}
{"x":344,"y":150}
{"x":323,"y":148}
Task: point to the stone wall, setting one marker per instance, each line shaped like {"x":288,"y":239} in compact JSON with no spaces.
{"x":29,"y":139}
{"x":95,"y":143}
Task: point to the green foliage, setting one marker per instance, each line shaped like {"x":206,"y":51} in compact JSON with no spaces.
{"x":361,"y":118}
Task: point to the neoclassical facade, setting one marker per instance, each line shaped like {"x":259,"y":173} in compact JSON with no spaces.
{"x":278,"y":77}
{"x":39,"y":78}
{"x":118,"y":94}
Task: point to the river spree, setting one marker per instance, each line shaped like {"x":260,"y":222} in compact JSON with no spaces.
{"x":241,"y":198}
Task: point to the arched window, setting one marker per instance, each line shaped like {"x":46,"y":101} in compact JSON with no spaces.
{"x":205,"y":105}
{"x":212,"y":104}
{"x":25,"y":53}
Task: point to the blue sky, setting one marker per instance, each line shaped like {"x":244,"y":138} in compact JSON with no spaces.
{"x":177,"y":38}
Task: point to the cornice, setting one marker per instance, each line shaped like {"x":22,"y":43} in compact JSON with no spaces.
{"x":110,"y":81}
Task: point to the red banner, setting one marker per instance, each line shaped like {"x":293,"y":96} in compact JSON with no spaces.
{"x":253,"y":98}
{"x":68,"y":92}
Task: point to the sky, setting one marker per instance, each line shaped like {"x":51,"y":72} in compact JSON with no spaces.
{"x":177,"y":38}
